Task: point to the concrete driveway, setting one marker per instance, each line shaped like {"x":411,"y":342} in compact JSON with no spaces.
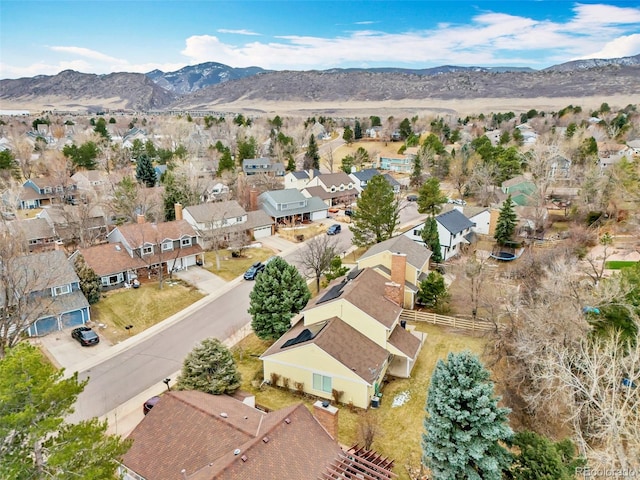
{"x":65,"y":352}
{"x":202,"y":279}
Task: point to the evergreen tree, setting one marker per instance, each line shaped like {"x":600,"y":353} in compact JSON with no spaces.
{"x":405,"y":129}
{"x":357,"y":130}
{"x":312,"y":157}
{"x":433,"y":292}
{"x":279,"y":293}
{"x":9,"y":166}
{"x":336,"y":269}
{"x":430,"y":197}
{"x":464,"y":426}
{"x":291,"y":163}
{"x":101,"y":128}
{"x":377,"y":213}
{"x":539,"y":458}
{"x":35,"y":440}
{"x":145,"y":174}
{"x":416,"y":174}
{"x":225,"y":162}
{"x":507,"y":221}
{"x":431,"y":239}
{"x":347,"y":164}
{"x":83,"y":156}
{"x":137,"y":148}
{"x":178,"y":189}
{"x":89,"y":280}
{"x":209,"y":368}
{"x":347,"y":135}
{"x":247,"y":148}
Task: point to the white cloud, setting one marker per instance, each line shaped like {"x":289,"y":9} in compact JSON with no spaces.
{"x":237,"y":32}
{"x":365,"y":22}
{"x":625,"y":46}
{"x":85,"y":52}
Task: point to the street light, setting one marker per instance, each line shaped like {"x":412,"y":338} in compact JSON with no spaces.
{"x":166,"y":382}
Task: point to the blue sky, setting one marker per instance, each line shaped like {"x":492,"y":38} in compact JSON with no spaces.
{"x":103,"y":36}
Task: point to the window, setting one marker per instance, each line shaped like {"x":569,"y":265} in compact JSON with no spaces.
{"x":321,"y":383}
{"x":147,"y":250}
{"x":238,"y":219}
{"x":112,"y":279}
{"x":167,"y":246}
{"x":61,"y":290}
{"x":46,"y":190}
{"x":185,"y":242}
{"x":417,"y":233}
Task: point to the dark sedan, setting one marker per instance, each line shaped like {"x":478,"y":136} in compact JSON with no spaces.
{"x":85,"y":336}
{"x":254,"y":271}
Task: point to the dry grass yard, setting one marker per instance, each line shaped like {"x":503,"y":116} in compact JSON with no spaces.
{"x":231,"y":267}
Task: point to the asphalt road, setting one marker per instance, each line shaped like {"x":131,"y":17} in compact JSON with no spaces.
{"x":145,"y":364}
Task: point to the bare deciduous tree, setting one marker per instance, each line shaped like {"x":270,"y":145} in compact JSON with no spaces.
{"x":317,"y":255}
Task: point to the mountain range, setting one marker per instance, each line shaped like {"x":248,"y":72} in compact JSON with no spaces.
{"x":211,"y":85}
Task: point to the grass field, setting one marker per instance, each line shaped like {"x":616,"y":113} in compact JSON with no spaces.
{"x":400,"y":428}
{"x":141,"y":307}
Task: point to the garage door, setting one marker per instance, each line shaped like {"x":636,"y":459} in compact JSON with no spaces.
{"x":72,"y":319}
{"x":262,"y":232}
{"x":44,"y":326}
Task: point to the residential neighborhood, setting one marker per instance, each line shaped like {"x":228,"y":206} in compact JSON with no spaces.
{"x":339,"y":283}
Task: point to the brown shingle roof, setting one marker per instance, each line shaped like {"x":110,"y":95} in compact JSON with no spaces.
{"x":343,"y":343}
{"x":215,"y":211}
{"x":366,"y":292}
{"x":417,"y":255}
{"x":335,"y":179}
{"x":186,"y":431}
{"x":136,"y":234}
{"x":32,"y":229}
{"x":107,"y":259}
{"x":404,"y":341}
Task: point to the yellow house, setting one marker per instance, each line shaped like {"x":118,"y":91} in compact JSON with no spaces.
{"x":401,"y":260}
{"x":347,"y":339}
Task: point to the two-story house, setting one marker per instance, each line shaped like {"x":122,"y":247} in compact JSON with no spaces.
{"x":362,"y":177}
{"x":76,"y":224}
{"x":454,"y":231}
{"x":46,"y":292}
{"x":402,"y":260}
{"x":347,"y":339}
{"x":228,"y":218}
{"x":41,"y":191}
{"x":140,"y":249}
{"x":36,"y":233}
{"x":290,"y":205}
{"x":332,"y":188}
{"x":397,"y":163}
{"x":299,"y":178}
{"x":253,"y":166}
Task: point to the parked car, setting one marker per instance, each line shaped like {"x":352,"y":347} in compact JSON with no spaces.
{"x":86,"y":336}
{"x":412,"y":198}
{"x":348,"y":212}
{"x":149,"y":404}
{"x":254,"y":270}
{"x":334,"y":229}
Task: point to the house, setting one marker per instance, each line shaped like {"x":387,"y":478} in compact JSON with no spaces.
{"x":610,"y":153}
{"x":634,"y":145}
{"x":83,"y":224}
{"x":41,"y":191}
{"x":480,"y":217}
{"x":559,"y":167}
{"x":214,"y":192}
{"x":91,"y":180}
{"x":347,"y":339}
{"x":362,"y":177}
{"x":112,"y":263}
{"x":228,"y":218}
{"x":332,"y":188}
{"x":411,"y":258}
{"x":253,"y":166}
{"x":454,"y":231}
{"x":373,"y":132}
{"x":291,"y":205}
{"x":169,"y":245}
{"x":131,"y":135}
{"x":400,"y":163}
{"x":521,"y":189}
{"x":191,"y":435}
{"x":299,"y":178}
{"x":48,"y":290}
{"x":38,"y":235}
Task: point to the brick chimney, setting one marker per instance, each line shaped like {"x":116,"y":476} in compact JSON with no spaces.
{"x":140,"y":218}
{"x":253,"y":199}
{"x":178,"y":209}
{"x":398,"y":267}
{"x":327,"y":416}
{"x":394,"y":292}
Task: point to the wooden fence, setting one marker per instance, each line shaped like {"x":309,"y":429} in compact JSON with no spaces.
{"x":465,"y":323}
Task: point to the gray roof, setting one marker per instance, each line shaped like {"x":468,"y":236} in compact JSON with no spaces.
{"x":392,"y":181}
{"x":454,"y":221}
{"x":300,"y":175}
{"x":214,"y":211}
{"x":366,"y":175}
{"x":32,"y":228}
{"x":290,"y":195}
{"x":417,"y":255}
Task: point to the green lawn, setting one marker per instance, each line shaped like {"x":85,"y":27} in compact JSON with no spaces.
{"x":400,"y":427}
{"x":230,"y":267}
{"x":618,"y":264}
{"x":141,"y":307}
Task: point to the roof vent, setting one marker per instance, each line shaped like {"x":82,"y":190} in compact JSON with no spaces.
{"x":287,"y":420}
{"x":265,"y":439}
{"x":236,"y":451}
{"x":224,"y":415}
{"x":243,"y":458}
{"x":325,"y":404}
{"x":118,"y":248}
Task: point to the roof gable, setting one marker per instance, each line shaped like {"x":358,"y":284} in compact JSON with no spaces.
{"x":454,"y":221}
{"x":417,"y":255}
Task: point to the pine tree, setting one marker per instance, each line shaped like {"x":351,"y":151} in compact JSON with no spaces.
{"x":416,"y":174}
{"x":89,"y":280}
{"x":539,"y":458}
{"x":347,"y":135}
{"x":464,"y":428}
{"x":430,"y":197}
{"x":209,"y":368}
{"x":357,"y":131}
{"x":433,"y":291}
{"x":507,"y":221}
{"x":431,"y":239}
{"x":36,"y":442}
{"x":279,"y":293}
{"x":145,"y":173}
{"x":312,"y":157}
{"x":377,"y":213}
{"x":225,"y":162}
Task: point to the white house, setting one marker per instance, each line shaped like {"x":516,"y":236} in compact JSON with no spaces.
{"x":454,"y":231}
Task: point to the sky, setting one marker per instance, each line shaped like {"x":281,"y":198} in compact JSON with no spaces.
{"x":45,"y":37}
